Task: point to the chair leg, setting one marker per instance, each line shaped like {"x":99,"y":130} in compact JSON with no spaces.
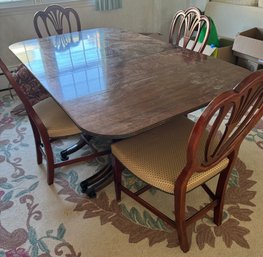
{"x":179,"y":203}
{"x":117,"y":168}
{"x":50,"y":174}
{"x":182,"y":236}
{"x":37,"y":143}
{"x":50,"y":161}
{"x":221,"y":189}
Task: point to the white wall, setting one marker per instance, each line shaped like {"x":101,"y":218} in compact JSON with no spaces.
{"x":168,"y":9}
{"x":201,"y":4}
{"x":231,"y":19}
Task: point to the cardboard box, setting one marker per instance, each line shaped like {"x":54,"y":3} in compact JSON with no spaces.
{"x":224,"y":52}
{"x":248,"y":47}
{"x":248,"y":64}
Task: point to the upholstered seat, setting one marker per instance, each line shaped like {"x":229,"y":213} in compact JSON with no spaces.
{"x":55,"y":119}
{"x":141,"y":154}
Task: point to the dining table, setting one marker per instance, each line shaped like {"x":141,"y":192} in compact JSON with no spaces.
{"x":115,"y":83}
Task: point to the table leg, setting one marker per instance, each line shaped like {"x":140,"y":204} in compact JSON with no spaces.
{"x":98,"y":181}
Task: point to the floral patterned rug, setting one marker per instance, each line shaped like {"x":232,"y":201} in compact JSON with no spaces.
{"x":58,"y":220}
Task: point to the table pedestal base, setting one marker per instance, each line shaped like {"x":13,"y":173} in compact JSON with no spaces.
{"x":97,"y":182}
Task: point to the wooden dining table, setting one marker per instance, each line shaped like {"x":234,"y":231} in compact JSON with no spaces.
{"x":115,"y":83}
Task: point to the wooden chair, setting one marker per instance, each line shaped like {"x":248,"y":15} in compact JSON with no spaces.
{"x":186,"y":27}
{"x":49,"y":122}
{"x":181,"y":155}
{"x":56,"y":19}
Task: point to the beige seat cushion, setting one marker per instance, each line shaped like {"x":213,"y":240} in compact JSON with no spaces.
{"x":159,"y":155}
{"x":55,"y":119}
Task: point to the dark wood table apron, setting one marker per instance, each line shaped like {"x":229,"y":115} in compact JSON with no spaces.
{"x":116,"y":84}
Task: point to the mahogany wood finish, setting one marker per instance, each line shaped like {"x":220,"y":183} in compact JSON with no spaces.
{"x":43,"y":142}
{"x":116,"y":83}
{"x":236,"y":112}
{"x":56,"y":20}
{"x":187,"y":25}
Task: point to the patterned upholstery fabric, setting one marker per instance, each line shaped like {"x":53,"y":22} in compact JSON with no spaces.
{"x":159,"y":155}
{"x":56,"y":121}
{"x":30,"y":86}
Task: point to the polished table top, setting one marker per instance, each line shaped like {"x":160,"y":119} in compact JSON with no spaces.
{"x":116,"y":83}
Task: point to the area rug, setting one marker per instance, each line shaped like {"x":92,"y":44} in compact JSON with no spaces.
{"x":59,"y":220}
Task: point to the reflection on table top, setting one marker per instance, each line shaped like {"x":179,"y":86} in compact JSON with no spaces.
{"x":117,"y":83}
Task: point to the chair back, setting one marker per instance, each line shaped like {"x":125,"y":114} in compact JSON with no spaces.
{"x":186,"y":27}
{"x":234,"y":113}
{"x":56,"y":19}
{"x":33,"y":117}
{"x":29,"y":85}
